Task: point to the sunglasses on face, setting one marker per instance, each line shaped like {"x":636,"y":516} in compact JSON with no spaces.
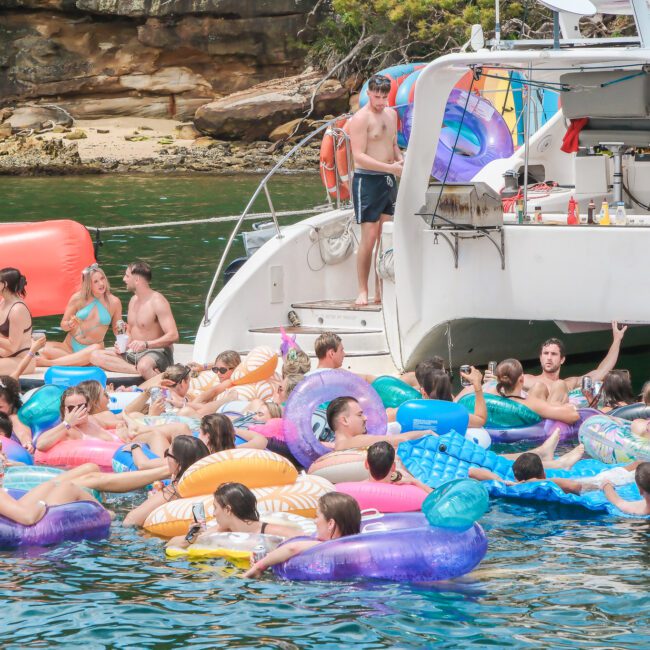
{"x":168,"y":454}
{"x":220,"y":369}
{"x":91,"y":268}
{"x":71,"y":407}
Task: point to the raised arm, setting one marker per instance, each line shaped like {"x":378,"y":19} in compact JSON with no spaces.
{"x":479,"y":417}
{"x":65,"y":429}
{"x":608,"y":363}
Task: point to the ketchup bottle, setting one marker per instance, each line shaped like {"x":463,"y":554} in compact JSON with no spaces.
{"x":572,"y":216}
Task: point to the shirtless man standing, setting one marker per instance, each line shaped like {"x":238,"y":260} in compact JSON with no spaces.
{"x":552,"y":356}
{"x":151,"y":328}
{"x":377,"y":161}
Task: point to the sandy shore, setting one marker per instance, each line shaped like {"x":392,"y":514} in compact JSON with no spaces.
{"x":146,"y":145}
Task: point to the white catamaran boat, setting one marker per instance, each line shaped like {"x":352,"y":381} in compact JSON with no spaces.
{"x":461,"y":278}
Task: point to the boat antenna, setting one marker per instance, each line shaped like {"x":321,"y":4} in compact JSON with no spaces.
{"x":580,"y":7}
{"x":497,"y":24}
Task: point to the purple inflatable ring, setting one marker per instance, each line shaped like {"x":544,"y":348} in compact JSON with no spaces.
{"x":412,"y":554}
{"x":322,"y":387}
{"x":540,"y":431}
{"x":71,"y":522}
{"x":15,"y":451}
{"x":484,"y":137}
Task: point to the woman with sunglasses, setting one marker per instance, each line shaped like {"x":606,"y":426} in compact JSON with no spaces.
{"x":184,"y":452}
{"x":15,"y":322}
{"x":76,"y":422}
{"x":90,"y":313}
{"x":213,"y":379}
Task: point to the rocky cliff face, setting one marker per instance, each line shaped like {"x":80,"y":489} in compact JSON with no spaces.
{"x":149,"y":58}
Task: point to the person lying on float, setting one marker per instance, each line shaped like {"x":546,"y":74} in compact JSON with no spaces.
{"x":346,"y":419}
{"x":235,"y":511}
{"x":337,"y":515}
{"x":642,"y":479}
{"x":380,"y":463}
{"x":529,"y":468}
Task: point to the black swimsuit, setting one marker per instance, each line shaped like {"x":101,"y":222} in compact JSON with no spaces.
{"x":4,"y":329}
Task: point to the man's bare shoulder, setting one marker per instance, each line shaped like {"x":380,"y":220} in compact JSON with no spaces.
{"x":159,"y":300}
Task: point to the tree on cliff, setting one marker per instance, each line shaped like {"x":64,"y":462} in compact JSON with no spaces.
{"x":363,"y":36}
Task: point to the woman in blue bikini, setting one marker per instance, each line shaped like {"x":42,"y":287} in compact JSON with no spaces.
{"x":87,"y":318}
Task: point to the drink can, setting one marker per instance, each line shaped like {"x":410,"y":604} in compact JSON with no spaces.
{"x":492,"y":367}
{"x":156,"y":393}
{"x":598,"y":386}
{"x":466,"y":369}
{"x":587,"y":385}
{"x":258,"y":553}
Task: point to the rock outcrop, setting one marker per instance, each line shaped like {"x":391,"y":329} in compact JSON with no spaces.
{"x":149,"y":58}
{"x":254,"y":113}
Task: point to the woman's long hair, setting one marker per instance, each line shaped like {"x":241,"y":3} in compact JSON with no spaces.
{"x":508,"y":373}
{"x":241,"y":501}
{"x":219,"y":430}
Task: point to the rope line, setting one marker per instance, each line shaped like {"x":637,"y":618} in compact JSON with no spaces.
{"x":191,"y":222}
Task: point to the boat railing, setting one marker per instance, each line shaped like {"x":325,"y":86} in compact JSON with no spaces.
{"x":263,"y":187}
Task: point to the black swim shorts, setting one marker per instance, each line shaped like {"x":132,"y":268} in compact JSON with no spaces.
{"x":373,"y":194}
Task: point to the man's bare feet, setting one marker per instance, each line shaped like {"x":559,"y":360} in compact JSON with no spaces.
{"x":362,"y":299}
{"x":546,"y":451}
{"x":571,"y":458}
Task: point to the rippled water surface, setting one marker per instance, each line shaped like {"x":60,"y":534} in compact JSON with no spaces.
{"x":551,"y":579}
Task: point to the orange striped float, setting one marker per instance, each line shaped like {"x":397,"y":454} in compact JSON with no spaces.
{"x":300,"y":498}
{"x":255,"y":468}
{"x":260,"y":363}
{"x":341,"y":466}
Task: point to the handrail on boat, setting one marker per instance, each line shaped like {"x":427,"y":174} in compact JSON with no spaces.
{"x":263,"y":186}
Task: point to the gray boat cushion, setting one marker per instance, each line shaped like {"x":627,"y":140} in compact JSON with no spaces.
{"x":623,"y":100}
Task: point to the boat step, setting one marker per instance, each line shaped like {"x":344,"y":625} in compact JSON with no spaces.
{"x":306,"y":329}
{"x":344,"y":305}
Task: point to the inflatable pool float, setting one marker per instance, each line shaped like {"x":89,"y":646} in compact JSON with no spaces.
{"x":610,"y":440}
{"x":632,"y":411}
{"x":238,"y":547}
{"x":67,"y":249}
{"x":484,"y":137}
{"x":341,"y":466}
{"x":416,"y":552}
{"x":438,"y":461}
{"x":66,"y":376}
{"x":254,"y":468}
{"x":299,"y":498}
{"x":384,"y":497}
{"x":15,"y":451}
{"x":323,"y":387}
{"x":511,"y":421}
{"x":122,"y":460}
{"x":42,"y":410}
{"x":119,"y":400}
{"x":71,"y":453}
{"x":437,"y":415}
{"x":22,"y":477}
{"x":393,"y":392}
{"x":71,"y":522}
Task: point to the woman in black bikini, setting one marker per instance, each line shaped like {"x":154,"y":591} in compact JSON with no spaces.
{"x":15,"y":322}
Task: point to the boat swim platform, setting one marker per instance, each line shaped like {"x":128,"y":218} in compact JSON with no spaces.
{"x":345,"y":305}
{"x":182,"y":354}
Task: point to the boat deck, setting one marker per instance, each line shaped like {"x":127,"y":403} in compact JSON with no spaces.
{"x":182,"y":354}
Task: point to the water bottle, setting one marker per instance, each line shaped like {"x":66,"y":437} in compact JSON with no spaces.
{"x":169,"y":407}
{"x":620,"y":219}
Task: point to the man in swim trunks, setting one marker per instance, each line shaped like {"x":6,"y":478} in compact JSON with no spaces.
{"x":377,"y":161}
{"x":346,"y":418}
{"x":552,"y":356}
{"x":151,"y":328}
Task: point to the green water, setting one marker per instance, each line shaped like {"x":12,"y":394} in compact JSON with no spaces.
{"x":553,"y":577}
{"x":184,"y":258}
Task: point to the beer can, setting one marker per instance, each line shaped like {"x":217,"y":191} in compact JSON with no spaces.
{"x":466,"y":369}
{"x":587,"y":385}
{"x":492,"y":367}
{"x":598,"y":386}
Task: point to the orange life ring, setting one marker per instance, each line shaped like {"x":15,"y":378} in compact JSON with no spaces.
{"x":333,"y":149}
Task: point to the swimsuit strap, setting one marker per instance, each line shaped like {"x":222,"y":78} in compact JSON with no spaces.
{"x":104,"y":314}
{"x":264,"y":525}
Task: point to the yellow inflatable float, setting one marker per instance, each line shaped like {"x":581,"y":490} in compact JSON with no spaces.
{"x":254,"y":468}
